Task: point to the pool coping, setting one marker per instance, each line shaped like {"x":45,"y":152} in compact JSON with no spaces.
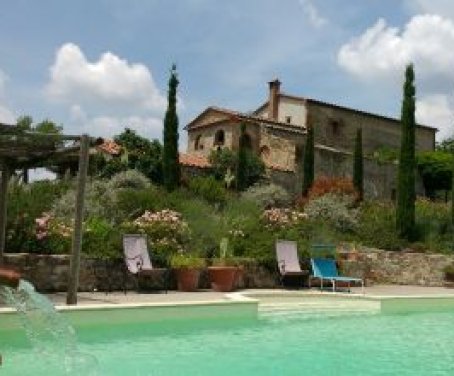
{"x":247,"y":297}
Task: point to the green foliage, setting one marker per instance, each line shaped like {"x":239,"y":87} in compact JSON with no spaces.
{"x":358,"y":168}
{"x":376,"y":226}
{"x":405,"y":216}
{"x":241,"y":174}
{"x":209,"y":189}
{"x":335,"y":209}
{"x":268,"y":195}
{"x":435,"y":168}
{"x":221,"y":161}
{"x":131,"y":203}
{"x":132,"y":179}
{"x":137,"y":153}
{"x":170,"y":162}
{"x":225,"y":161}
{"x":308,"y":163}
{"x":384,"y":155}
{"x":447,"y":145}
{"x":101,"y":239}
{"x":186,"y":261}
{"x":25,"y":203}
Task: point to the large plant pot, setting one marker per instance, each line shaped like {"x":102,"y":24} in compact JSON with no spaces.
{"x":187,"y":279}
{"x":223,"y":278}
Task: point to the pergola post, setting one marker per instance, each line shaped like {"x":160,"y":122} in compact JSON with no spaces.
{"x":73,"y":283}
{"x":3,"y":204}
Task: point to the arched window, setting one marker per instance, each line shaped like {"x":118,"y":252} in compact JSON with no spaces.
{"x":247,"y":141}
{"x":219,"y":137}
{"x":265,"y":152}
{"x":198,"y":143}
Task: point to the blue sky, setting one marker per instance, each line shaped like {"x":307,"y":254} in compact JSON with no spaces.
{"x":97,"y":66}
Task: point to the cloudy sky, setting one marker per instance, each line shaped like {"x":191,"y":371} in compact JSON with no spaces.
{"x":97,"y":66}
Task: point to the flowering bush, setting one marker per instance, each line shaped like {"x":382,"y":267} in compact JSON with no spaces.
{"x":278,"y":217}
{"x":335,"y":209}
{"x":325,"y":185}
{"x":166,"y":230}
{"x":54,"y":235}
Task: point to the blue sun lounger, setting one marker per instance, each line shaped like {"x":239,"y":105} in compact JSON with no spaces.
{"x":326,"y":269}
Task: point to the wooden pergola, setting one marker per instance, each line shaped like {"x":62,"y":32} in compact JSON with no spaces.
{"x":20,"y":149}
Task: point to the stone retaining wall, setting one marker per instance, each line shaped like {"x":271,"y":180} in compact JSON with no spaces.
{"x":402,"y":268}
{"x":50,"y":272}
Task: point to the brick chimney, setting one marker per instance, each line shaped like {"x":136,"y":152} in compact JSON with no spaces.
{"x":273,"y":102}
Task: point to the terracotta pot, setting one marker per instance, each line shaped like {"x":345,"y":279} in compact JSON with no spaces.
{"x":9,"y":278}
{"x":187,"y":279}
{"x":223,"y":278}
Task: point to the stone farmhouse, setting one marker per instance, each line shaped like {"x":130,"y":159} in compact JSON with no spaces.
{"x":276,"y":131}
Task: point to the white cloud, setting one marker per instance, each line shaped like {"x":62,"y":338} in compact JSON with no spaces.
{"x":312,"y":13}
{"x":109,"y":81}
{"x":383,"y":51}
{"x":6,"y":114}
{"x":441,"y":7}
{"x":109,"y":126}
{"x":437,"y":110}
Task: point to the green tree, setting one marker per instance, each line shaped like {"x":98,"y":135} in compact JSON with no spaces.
{"x":405,"y":215}
{"x":24,"y":123}
{"x":170,"y":162}
{"x":136,"y":153}
{"x":48,"y":126}
{"x":241,"y":177}
{"x":446,"y":145}
{"x":358,"y":168}
{"x":308,"y":163}
{"x":435,"y":168}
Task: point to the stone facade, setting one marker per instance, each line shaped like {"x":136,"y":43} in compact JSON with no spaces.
{"x":279,"y":136}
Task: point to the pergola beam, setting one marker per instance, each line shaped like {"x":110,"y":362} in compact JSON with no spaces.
{"x":73,"y":284}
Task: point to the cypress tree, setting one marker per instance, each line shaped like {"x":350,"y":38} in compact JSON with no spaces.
{"x":405,"y":215}
{"x":308,"y":163}
{"x":241,"y":173}
{"x":170,"y":162}
{"x":358,"y":168}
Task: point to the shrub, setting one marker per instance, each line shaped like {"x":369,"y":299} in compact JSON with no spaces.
{"x":278,"y":217}
{"x":186,"y":261}
{"x":129,"y":179}
{"x":376,"y":227}
{"x":132,"y":202}
{"x":25,"y":203}
{"x":209,"y":189}
{"x":165,"y":229}
{"x":335,"y":209}
{"x":268,"y":196}
{"x":331,"y":185}
{"x":102,"y":239}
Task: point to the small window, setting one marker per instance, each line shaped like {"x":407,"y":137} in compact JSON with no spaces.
{"x":198,"y":143}
{"x":288,"y":119}
{"x":219,"y":137}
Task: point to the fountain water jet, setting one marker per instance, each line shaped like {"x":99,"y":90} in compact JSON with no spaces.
{"x":51,"y":336}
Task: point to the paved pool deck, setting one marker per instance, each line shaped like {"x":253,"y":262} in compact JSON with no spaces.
{"x":207,"y":296}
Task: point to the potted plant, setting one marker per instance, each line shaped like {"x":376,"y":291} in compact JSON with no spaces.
{"x":223,"y":272}
{"x":449,"y":275}
{"x":187,"y":269}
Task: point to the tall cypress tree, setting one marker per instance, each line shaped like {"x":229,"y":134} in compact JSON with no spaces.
{"x":170,"y":162}
{"x":405,"y":215}
{"x":358,"y":168}
{"x":308,"y":163}
{"x":241,"y":173}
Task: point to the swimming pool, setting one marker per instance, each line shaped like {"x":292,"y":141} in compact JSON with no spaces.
{"x":283,"y":341}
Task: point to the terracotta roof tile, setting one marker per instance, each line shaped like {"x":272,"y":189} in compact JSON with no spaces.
{"x":109,"y":147}
{"x":194,"y":160}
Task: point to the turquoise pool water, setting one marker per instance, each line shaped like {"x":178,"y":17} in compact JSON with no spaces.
{"x":359,"y":344}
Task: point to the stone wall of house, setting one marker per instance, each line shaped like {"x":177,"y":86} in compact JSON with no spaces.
{"x":402,"y":268}
{"x":336,"y":127}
